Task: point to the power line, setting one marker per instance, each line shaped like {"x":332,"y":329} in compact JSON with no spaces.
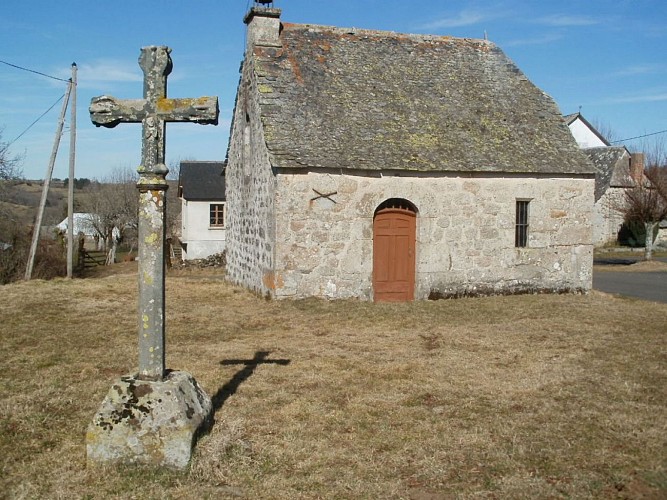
{"x":33,"y":71}
{"x":640,"y":136}
{"x":40,"y":117}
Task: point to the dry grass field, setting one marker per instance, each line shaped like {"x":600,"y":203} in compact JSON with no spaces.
{"x":544,"y":396}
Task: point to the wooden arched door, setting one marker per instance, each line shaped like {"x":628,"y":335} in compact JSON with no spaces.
{"x":394,"y":254}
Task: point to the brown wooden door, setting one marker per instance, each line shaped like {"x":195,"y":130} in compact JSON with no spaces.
{"x":394,"y":255}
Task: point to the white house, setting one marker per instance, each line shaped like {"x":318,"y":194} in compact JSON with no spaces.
{"x":201,"y":188}
{"x":584,"y":133}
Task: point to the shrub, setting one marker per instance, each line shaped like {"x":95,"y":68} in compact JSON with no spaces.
{"x":633,"y":233}
{"x":50,"y":259}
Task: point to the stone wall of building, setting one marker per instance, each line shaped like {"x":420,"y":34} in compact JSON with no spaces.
{"x":465,"y":233}
{"x":661,"y":238}
{"x":250,"y":186}
{"x":607,"y":218}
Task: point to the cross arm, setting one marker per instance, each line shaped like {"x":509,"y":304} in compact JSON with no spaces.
{"x":202,"y":110}
{"x":107,"y":111}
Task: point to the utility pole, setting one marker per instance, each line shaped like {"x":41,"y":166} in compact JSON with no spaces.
{"x":70,"y":186}
{"x":45,"y":187}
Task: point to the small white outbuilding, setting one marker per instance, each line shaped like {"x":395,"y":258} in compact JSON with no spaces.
{"x":83,"y":223}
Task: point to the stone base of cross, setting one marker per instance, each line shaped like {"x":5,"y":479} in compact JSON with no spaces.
{"x":149,"y":422}
{"x":152,"y":416}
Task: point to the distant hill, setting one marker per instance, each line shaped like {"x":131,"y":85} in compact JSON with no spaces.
{"x":19,"y":201}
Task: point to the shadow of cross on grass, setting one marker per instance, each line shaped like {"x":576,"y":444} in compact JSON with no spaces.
{"x":242,"y":375}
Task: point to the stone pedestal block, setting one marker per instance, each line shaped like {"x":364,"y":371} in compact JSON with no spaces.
{"x":149,"y":422}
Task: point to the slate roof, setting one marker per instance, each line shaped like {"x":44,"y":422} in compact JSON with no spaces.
{"x":612,"y":166}
{"x":202,"y":181}
{"x":571,"y":117}
{"x":359,"y":99}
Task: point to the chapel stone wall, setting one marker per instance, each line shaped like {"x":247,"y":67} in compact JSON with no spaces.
{"x":250,"y":187}
{"x":465,"y":234}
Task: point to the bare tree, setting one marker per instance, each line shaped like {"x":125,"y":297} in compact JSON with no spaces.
{"x":646,"y":204}
{"x":113,"y":202}
{"x":113,"y":205}
{"x":173,"y":201}
{"x":175,"y":167}
{"x":655,"y":151}
{"x":10,"y":165}
{"x":15,"y":237}
{"x":10,"y":170}
{"x":605,"y":130}
{"x":174,"y":170}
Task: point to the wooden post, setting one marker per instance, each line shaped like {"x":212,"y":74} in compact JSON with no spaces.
{"x":45,"y":187}
{"x":70,"y":186}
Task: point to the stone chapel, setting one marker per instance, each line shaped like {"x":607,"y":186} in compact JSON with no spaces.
{"x":395,"y":167}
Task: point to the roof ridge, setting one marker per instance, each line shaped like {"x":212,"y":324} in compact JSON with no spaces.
{"x":383,"y":33}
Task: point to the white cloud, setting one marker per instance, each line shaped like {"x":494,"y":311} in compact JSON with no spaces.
{"x":463,"y":18}
{"x":106,"y":71}
{"x":648,"y":97}
{"x":641,"y":69}
{"x":563,"y":20}
{"x":538,"y":40}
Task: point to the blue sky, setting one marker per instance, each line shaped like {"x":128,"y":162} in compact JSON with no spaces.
{"x":609,"y":57}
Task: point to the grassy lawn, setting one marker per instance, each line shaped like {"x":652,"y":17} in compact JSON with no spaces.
{"x":627,"y":253}
{"x":544,"y":396}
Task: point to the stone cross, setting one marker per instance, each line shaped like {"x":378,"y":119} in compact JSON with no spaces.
{"x":153,"y":111}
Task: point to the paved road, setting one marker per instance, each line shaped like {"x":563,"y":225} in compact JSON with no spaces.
{"x":647,"y":286}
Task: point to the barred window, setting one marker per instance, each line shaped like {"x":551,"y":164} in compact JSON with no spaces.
{"x":217,"y":213}
{"x":521,"y":232}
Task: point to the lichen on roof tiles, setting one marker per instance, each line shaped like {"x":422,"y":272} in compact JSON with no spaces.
{"x":612,"y":168}
{"x":342,"y":98}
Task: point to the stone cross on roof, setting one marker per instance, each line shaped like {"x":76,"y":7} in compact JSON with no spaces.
{"x":153,"y":111}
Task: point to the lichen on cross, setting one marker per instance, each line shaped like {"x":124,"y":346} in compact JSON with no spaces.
{"x":153,"y":111}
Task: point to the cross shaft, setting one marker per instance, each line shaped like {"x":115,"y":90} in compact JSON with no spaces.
{"x":153,"y":111}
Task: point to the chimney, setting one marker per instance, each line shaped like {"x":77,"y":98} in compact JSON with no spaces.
{"x":263,"y":26}
{"x":637,"y":166}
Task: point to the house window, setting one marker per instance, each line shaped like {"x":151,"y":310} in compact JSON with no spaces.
{"x":217,"y":213}
{"x":521,"y":228}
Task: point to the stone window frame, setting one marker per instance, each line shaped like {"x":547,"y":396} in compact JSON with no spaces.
{"x":522,"y":222}
{"x":217,"y":215}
